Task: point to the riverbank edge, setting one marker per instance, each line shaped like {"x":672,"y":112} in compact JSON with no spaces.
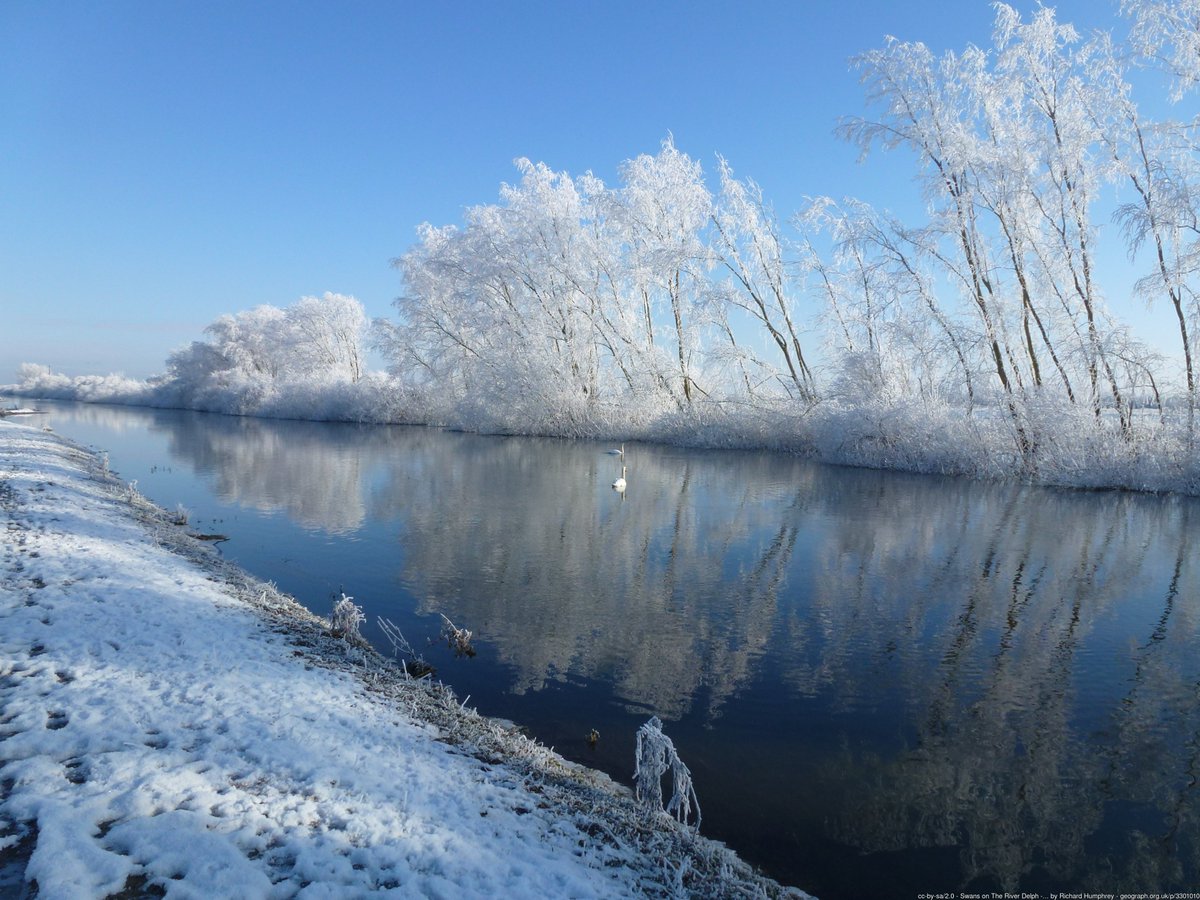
{"x":675,"y":861}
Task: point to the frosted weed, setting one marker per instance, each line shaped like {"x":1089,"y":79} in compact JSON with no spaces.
{"x":457,"y":639}
{"x":655,"y":757}
{"x":412,"y":663}
{"x":346,"y":618}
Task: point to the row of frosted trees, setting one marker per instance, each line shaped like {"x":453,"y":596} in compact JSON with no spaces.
{"x":302,"y":361}
{"x":249,"y":358}
{"x":975,"y":339}
{"x":1016,"y":149}
{"x":571,"y":302}
{"x":583,"y":300}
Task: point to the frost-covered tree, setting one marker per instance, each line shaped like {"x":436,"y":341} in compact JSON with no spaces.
{"x":926,"y":106}
{"x":1045,"y":66}
{"x":314,"y":345}
{"x":1005,"y":163}
{"x":191,"y":369}
{"x":1158,"y":160}
{"x":316,"y":340}
{"x":664,"y":207}
{"x":1168,"y":32}
{"x":496,"y":308}
{"x":892,"y":335}
{"x":566,"y":292}
{"x":250,"y":342}
{"x":1016,"y":146}
{"x":325,"y":337}
{"x":749,"y":244}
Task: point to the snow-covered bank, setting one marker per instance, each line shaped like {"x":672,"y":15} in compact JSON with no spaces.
{"x":168,"y":723}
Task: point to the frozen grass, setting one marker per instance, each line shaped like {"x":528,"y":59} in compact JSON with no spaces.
{"x":345,"y":619}
{"x":170,"y":723}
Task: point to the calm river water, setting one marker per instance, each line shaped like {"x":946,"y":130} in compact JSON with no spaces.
{"x":883,"y":684}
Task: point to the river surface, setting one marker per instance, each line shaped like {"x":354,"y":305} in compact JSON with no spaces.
{"x":883,"y":684}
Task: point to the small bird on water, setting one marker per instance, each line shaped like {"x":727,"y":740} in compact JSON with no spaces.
{"x":619,"y":484}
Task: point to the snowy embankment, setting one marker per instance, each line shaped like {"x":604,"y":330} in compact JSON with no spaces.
{"x":168,"y":723}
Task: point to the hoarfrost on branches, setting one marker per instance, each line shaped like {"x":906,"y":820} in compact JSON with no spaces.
{"x":655,"y":757}
{"x":1166,"y":32}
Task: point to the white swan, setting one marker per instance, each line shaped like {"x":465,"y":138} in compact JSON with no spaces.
{"x":620,"y":452}
{"x":619,"y":484}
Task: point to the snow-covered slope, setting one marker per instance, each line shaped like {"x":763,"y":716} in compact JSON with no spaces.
{"x":166,"y":722}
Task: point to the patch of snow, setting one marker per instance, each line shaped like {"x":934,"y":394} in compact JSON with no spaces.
{"x":167,"y":721}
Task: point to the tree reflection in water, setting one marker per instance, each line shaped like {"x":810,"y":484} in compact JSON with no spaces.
{"x":1041,"y":736}
{"x":877,"y":679}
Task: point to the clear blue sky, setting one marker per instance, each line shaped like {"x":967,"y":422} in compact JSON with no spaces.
{"x":163,"y":162}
